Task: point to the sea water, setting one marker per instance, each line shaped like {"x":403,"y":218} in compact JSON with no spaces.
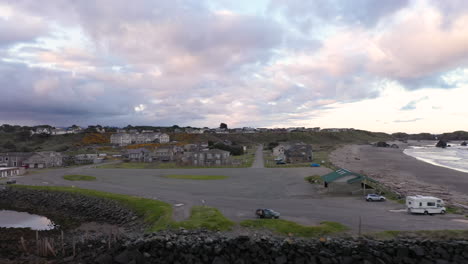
{"x":454,"y":157}
{"x":14,"y":219}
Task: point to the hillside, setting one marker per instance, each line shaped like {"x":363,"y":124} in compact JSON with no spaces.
{"x":321,"y":138}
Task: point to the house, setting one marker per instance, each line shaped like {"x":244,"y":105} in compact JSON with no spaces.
{"x":124,"y":139}
{"x":58,"y":131}
{"x":14,"y":159}
{"x":87,"y":159}
{"x":45,"y":159}
{"x":11,"y":171}
{"x":212,"y":157}
{"x":41,"y":130}
{"x":140,"y":155}
{"x":298,"y":153}
{"x":165,"y":154}
{"x":74,"y":130}
{"x":345,"y":182}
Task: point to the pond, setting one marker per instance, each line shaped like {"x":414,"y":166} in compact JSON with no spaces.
{"x":14,"y":219}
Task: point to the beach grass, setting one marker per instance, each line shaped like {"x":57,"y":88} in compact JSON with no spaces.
{"x":79,"y":178}
{"x":286,"y":227}
{"x":156,"y":214}
{"x":206,"y":217}
{"x":196,"y":177}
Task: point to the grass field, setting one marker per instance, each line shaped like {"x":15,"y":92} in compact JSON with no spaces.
{"x":206,"y":217}
{"x":287,"y":227}
{"x":197,"y":177}
{"x":79,"y":178}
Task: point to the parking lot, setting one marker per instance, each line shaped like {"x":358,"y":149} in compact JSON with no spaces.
{"x":247,"y":189}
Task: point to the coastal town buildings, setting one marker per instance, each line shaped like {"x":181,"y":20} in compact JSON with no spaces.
{"x":125,"y":139}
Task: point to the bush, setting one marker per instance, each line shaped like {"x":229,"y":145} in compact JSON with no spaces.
{"x":9,"y":145}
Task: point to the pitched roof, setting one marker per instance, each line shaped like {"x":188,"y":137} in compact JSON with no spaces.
{"x":341,"y":173}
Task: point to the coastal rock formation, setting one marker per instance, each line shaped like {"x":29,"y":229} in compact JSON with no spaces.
{"x":464,"y":144}
{"x":382,"y":144}
{"x":441,"y":144}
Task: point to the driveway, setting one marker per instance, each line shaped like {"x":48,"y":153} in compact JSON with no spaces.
{"x":246,"y":189}
{"x":258,"y":161}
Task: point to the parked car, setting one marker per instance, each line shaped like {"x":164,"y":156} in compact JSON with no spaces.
{"x":315,"y":165}
{"x":267,"y":213}
{"x":11,"y":182}
{"x":375,"y":197}
{"x":280,"y":162}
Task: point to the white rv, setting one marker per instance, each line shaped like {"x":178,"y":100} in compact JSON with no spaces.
{"x":425,"y":205}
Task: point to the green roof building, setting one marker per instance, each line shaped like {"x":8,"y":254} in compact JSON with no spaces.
{"x":345,"y":181}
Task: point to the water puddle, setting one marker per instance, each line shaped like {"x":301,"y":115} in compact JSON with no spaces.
{"x":14,"y":219}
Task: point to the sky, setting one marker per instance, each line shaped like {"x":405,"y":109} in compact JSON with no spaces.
{"x":378,"y":65}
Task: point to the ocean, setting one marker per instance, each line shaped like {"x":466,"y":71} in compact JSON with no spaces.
{"x":454,"y":157}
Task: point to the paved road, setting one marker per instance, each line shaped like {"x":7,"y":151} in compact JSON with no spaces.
{"x":258,"y":161}
{"x":246,"y":189}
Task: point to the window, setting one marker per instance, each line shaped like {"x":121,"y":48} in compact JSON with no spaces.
{"x":6,"y":159}
{"x":1,"y":159}
{"x":430,"y":204}
{"x":409,"y":202}
{"x":420,"y":204}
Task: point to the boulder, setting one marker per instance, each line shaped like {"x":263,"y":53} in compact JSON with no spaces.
{"x":441,"y":144}
{"x":464,"y":143}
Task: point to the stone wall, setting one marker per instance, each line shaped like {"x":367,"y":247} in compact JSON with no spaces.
{"x":205,"y":247}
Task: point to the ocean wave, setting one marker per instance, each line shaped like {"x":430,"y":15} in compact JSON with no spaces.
{"x":455,"y":158}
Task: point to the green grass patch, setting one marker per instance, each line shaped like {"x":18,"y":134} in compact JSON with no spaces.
{"x":196,"y":177}
{"x":315,"y":179}
{"x":79,"y":178}
{"x":453,"y":210}
{"x":287,"y":227}
{"x":157,"y":214}
{"x":206,"y":217}
{"x":419,"y":234}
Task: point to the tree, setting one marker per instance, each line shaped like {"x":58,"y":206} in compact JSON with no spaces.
{"x":223,"y":126}
{"x":9,"y":145}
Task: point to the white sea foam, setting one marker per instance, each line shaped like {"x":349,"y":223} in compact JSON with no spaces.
{"x":455,"y":157}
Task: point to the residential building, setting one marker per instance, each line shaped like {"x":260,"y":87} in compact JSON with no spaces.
{"x":140,"y":155}
{"x":11,"y":171}
{"x":124,"y":139}
{"x":212,"y":157}
{"x":41,"y":130}
{"x":14,"y":159}
{"x":58,"y":131}
{"x":45,"y":159}
{"x":298,"y":153}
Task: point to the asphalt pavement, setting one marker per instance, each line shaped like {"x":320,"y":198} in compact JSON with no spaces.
{"x":245,"y":189}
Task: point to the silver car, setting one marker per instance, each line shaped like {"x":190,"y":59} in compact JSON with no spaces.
{"x":375,"y":197}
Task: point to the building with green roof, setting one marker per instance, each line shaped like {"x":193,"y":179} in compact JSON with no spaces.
{"x":345,"y":181}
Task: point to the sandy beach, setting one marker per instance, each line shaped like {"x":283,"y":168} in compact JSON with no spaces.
{"x":402,"y":173}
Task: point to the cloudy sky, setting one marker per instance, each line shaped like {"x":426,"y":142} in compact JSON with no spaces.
{"x":380,"y":65}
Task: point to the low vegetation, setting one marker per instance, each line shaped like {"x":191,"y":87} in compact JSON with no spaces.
{"x":421,"y":234}
{"x":79,"y":178}
{"x":206,"y":217}
{"x":287,"y":227}
{"x":315,"y":179}
{"x":156,"y":214}
{"x":196,"y":177}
